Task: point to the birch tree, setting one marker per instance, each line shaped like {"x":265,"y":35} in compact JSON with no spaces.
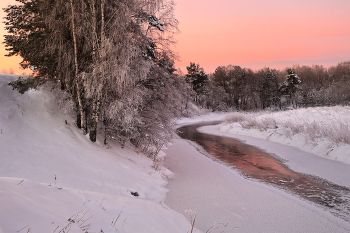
{"x":100,"y":51}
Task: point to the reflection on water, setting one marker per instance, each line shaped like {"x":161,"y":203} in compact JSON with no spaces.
{"x":254,"y":163}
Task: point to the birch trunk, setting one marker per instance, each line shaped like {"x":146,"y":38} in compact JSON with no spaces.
{"x":80,"y":114}
{"x":94,"y":31}
{"x":97,"y":95}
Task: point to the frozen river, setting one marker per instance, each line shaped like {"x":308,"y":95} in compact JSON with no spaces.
{"x":250,"y":191}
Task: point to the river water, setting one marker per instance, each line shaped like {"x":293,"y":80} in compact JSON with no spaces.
{"x":255,"y":164}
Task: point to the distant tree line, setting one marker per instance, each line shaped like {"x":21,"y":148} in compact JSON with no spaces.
{"x":233,"y":87}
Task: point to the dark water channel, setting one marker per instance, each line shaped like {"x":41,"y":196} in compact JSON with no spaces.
{"x":256,"y":164}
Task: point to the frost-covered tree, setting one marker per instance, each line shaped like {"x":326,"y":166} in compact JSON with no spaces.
{"x":197,"y":78}
{"x":290,"y":86}
{"x":100,"y":50}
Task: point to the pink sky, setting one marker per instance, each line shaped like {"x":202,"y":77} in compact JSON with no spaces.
{"x":254,"y":33}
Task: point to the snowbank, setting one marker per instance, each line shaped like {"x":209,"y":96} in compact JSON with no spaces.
{"x":225,"y":201}
{"x":53,"y":179}
{"x":324,"y":131}
{"x":207,"y":117}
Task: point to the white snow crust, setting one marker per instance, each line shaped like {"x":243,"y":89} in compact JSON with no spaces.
{"x":53,"y":179}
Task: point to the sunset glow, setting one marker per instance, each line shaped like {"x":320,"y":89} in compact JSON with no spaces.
{"x":252,"y":33}
{"x":8,"y":64}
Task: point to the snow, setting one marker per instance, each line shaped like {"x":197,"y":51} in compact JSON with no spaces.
{"x":324,"y":131}
{"x":52,"y":178}
{"x":295,"y":158}
{"x":213,"y":116}
{"x":221,"y":196}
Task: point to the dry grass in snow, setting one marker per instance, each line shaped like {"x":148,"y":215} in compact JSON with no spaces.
{"x":323,"y":130}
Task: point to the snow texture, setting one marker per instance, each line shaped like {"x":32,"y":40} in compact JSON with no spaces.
{"x":223,"y":197}
{"x":324,"y":131}
{"x":53,"y":179}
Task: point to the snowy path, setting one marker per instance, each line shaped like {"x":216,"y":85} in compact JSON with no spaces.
{"x":220,"y":195}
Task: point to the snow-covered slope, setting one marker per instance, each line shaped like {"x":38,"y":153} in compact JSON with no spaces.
{"x":53,"y":179}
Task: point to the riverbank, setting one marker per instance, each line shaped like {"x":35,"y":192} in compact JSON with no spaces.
{"x":324,"y":131}
{"x":224,"y":200}
{"x":295,"y":158}
{"x":295,"y":155}
{"x":220,"y":195}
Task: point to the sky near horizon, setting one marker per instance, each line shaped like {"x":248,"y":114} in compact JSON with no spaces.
{"x":253,"y":33}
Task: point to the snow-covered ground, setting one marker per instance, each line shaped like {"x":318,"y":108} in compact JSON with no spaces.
{"x":224,"y":200}
{"x":53,"y":179}
{"x":220,"y":195}
{"x":324,"y":131}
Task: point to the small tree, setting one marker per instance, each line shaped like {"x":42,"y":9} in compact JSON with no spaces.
{"x":197,"y":78}
{"x":267,"y":88}
{"x":290,"y":86}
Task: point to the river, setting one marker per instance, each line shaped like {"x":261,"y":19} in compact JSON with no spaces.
{"x":257,"y":166}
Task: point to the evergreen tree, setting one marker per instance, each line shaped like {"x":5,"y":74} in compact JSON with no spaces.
{"x":290,"y":86}
{"x":197,"y":78}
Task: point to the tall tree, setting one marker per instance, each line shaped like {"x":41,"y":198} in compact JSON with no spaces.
{"x":98,"y":49}
{"x":268,"y":87}
{"x":197,"y":78}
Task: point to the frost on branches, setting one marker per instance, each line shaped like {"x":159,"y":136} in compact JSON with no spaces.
{"x":111,"y":57}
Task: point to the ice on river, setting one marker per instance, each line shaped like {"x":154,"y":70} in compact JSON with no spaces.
{"x":222,"y":197}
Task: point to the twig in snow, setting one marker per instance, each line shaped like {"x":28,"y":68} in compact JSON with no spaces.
{"x":56,"y":229}
{"x":68,"y":226}
{"x":86,"y":201}
{"x":217,"y":226}
{"x":86,"y":227}
{"x":83,"y":216}
{"x":194,"y":219}
{"x":192,"y":215}
{"x":20,"y":182}
{"x":118,"y":216}
{"x":101,"y":202}
{"x":23,"y":228}
{"x":74,"y":215}
{"x":85,"y":220}
{"x":101,"y":205}
{"x":123,"y":224}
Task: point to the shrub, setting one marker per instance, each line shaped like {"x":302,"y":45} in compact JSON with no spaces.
{"x":24,"y":84}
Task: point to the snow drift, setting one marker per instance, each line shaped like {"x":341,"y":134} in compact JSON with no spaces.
{"x":53,"y":179}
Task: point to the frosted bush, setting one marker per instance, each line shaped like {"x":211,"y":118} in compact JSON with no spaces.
{"x":331,"y":123}
{"x":268,"y":123}
{"x":249,"y":123}
{"x":63,"y":99}
{"x":236,"y":117}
